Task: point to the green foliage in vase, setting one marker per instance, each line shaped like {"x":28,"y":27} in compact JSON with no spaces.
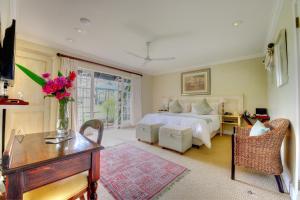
{"x":36,"y":78}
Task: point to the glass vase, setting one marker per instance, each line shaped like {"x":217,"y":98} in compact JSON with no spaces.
{"x":62,"y":123}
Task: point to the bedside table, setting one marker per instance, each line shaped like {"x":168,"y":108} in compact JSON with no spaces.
{"x":233,"y":120}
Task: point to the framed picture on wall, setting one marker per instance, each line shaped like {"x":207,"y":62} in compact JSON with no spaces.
{"x":196,"y":82}
{"x":281,"y":59}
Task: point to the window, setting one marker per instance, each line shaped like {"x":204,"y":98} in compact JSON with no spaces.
{"x":103,"y":96}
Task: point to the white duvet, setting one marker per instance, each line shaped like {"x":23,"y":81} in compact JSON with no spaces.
{"x":202,"y":125}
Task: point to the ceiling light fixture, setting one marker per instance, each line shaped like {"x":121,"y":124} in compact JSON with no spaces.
{"x":237,"y":23}
{"x":85,"y":21}
{"x":79,"y":30}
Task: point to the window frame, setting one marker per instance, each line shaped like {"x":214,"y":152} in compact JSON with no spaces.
{"x":93,"y":93}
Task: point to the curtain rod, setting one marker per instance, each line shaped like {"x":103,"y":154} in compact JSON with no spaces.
{"x":95,"y":63}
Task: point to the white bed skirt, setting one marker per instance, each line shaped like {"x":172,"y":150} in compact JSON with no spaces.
{"x":198,"y":142}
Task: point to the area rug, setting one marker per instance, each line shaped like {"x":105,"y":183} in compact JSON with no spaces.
{"x":130,"y":173}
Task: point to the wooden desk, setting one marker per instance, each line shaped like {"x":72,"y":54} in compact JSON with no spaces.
{"x":32,"y":163}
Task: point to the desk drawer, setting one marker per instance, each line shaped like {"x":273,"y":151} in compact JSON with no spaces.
{"x":56,"y":170}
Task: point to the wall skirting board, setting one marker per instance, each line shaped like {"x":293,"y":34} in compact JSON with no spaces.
{"x":287,"y":180}
{"x":293,"y":193}
{"x":286,"y":176}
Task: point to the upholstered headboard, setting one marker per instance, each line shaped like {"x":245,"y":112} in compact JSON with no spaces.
{"x":231,"y":103}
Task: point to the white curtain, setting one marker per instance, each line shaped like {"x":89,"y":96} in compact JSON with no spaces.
{"x":136,"y":99}
{"x":68,"y":65}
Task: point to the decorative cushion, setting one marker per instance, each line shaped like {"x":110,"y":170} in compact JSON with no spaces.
{"x":201,"y":108}
{"x":258,"y":129}
{"x":175,"y":107}
{"x":59,"y":190}
{"x":215,"y":107}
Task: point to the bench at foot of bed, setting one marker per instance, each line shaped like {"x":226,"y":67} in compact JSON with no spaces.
{"x":148,"y":132}
{"x":175,"y":138}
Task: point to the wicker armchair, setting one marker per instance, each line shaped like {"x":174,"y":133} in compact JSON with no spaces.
{"x":261,"y":153}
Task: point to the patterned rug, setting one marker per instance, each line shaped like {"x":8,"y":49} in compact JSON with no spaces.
{"x":130,"y":173}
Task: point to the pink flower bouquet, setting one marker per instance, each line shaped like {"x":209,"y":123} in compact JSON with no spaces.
{"x":58,"y":87}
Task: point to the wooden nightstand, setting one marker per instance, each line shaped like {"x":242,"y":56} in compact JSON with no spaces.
{"x":233,"y":120}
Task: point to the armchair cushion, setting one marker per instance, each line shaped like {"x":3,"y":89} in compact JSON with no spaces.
{"x":258,"y":129}
{"x":60,"y":190}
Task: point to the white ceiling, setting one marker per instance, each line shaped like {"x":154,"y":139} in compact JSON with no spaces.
{"x":196,"y":32}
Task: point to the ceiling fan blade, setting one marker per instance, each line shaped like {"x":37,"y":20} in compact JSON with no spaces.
{"x":145,"y":63}
{"x":148,"y":58}
{"x":168,"y":58}
{"x":135,"y":55}
{"x":148,"y":49}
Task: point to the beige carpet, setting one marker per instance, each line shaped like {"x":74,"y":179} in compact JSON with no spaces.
{"x":209,"y":178}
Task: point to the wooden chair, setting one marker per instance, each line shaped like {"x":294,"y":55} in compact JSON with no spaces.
{"x":73,"y":187}
{"x":261,"y":153}
{"x":95,"y":124}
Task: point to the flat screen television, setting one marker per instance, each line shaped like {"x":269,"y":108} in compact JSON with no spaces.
{"x":7,"y":54}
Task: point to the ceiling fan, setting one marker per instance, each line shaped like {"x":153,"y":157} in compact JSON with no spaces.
{"x":148,"y":59}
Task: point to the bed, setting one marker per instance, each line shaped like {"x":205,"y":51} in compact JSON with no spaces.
{"x":204,"y":126}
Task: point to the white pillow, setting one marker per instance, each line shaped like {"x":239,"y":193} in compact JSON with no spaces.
{"x":258,"y":129}
{"x":201,"y":107}
{"x":215,"y":107}
{"x":175,"y":107}
{"x":186,"y":107}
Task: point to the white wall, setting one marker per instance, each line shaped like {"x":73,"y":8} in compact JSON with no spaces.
{"x":284,"y":101}
{"x":6,"y":10}
{"x":247,"y":77}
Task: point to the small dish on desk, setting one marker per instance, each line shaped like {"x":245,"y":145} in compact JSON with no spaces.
{"x":53,"y":138}
{"x":57,"y":140}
